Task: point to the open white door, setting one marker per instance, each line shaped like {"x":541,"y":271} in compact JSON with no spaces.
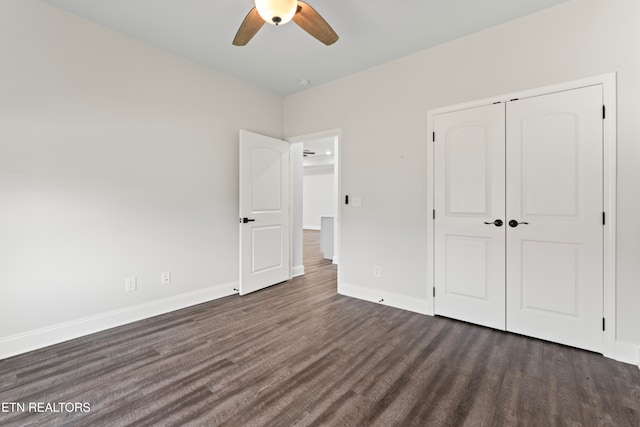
{"x":264,"y":211}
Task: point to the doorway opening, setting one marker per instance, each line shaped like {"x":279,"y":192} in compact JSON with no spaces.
{"x":315,"y":195}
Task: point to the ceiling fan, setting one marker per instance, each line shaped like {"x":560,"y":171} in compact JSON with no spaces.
{"x":278,"y":12}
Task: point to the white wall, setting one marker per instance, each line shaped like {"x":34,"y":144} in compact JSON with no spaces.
{"x":382,"y":113}
{"x":116,"y":159}
{"x":318,"y":195}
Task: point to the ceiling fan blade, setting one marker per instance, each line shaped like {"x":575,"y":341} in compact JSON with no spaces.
{"x":309,"y":20}
{"x":249,"y":27}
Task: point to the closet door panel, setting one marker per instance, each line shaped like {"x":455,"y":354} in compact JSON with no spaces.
{"x":554,"y":193}
{"x":469,"y":197}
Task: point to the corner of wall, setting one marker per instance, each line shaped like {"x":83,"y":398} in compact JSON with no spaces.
{"x":386,"y":298}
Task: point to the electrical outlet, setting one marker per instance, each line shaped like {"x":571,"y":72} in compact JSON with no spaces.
{"x":356,"y":201}
{"x":130,"y":284}
{"x":377,"y":272}
{"x":166,"y":278}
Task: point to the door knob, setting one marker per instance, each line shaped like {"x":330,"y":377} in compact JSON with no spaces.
{"x":497,"y":223}
{"x":246,"y":220}
{"x":514,"y":223}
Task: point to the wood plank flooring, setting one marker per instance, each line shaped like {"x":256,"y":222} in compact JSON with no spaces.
{"x":298,"y":354}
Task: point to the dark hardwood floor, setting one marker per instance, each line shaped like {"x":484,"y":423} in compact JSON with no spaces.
{"x":299,"y":354}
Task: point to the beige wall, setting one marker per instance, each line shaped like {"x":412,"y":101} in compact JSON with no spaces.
{"x":382,"y":114}
{"x":117,"y":159}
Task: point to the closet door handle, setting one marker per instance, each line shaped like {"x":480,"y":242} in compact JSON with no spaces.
{"x":514,"y":223}
{"x":497,"y":223}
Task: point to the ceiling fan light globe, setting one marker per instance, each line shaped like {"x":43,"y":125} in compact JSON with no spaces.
{"x":276,"y":12}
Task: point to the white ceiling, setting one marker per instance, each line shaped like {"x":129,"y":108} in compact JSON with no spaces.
{"x":277,"y":58}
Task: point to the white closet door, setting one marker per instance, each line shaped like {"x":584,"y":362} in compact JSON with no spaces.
{"x":469,"y":193}
{"x":554,"y":189}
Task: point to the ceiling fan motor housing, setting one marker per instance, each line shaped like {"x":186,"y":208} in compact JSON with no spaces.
{"x":276,"y":11}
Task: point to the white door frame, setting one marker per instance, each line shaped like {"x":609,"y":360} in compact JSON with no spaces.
{"x":337,"y":133}
{"x":608,"y":82}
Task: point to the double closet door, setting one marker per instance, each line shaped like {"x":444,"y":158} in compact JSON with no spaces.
{"x":519,"y":216}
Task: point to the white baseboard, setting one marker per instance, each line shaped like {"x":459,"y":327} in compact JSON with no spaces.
{"x":311,"y":227}
{"x":386,"y":298}
{"x":298,"y":270}
{"x":334,"y":260}
{"x":43,"y":337}
{"x":627,"y":353}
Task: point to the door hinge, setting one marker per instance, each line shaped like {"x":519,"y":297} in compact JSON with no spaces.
{"x":434,"y":291}
{"x":604,"y":219}
{"x":434,"y":136}
{"x":603,"y":324}
{"x":604,"y":112}
{"x":434,"y":214}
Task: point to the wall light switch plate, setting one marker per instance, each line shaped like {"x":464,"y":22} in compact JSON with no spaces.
{"x":166,"y":278}
{"x":356,"y":201}
{"x":377,"y":271}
